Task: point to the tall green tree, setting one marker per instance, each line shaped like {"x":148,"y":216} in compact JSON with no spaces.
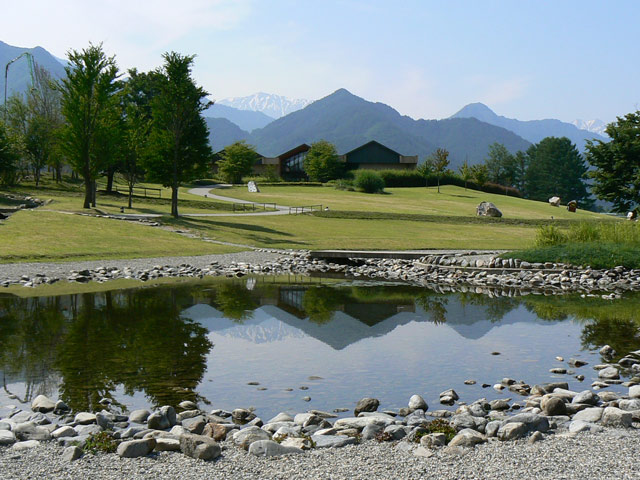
{"x":8,"y":157}
{"x":89,"y":105}
{"x":438,"y":161}
{"x":322,"y":162}
{"x":480,"y":174}
{"x":556,"y":168}
{"x":617,"y":163}
{"x":465,"y":172}
{"x":179,"y":140}
{"x":237,"y":161}
{"x":501,"y":165}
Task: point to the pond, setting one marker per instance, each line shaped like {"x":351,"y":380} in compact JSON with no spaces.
{"x":257,"y":342}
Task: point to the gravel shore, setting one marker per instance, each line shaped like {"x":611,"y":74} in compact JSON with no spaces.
{"x":609,"y":454}
{"x":10,"y":271}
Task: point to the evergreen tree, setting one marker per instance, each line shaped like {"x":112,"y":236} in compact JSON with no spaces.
{"x":556,"y":168}
{"x":501,"y":165}
{"x":617,"y":163}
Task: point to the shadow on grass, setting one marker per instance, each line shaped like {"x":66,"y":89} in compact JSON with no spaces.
{"x":201,"y":223}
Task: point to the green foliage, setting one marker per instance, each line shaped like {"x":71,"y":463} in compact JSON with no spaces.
{"x":597,"y":255}
{"x":343,"y":184}
{"x":403,"y":178}
{"x":617,"y":168}
{"x":101,"y":442}
{"x":480,"y":174}
{"x":502,"y":167}
{"x":322,"y":163}
{"x":319,"y":303}
{"x":556,"y":168}
{"x":89,"y":105}
{"x":583,"y":232}
{"x":465,"y":173}
{"x":271,"y":174}
{"x":8,"y":157}
{"x":237,"y":161}
{"x":369,"y":181}
{"x":440,"y":425}
{"x":180,"y":150}
{"x":549,"y":235}
{"x":438,"y":162}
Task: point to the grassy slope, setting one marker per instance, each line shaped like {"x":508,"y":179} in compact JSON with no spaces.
{"x":451,"y":201}
{"x":49,"y":236}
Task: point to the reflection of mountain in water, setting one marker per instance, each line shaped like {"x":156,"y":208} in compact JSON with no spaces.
{"x":284,"y":317}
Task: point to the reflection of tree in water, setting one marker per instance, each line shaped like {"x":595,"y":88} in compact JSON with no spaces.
{"x":319,"y":303}
{"x":435,"y":305}
{"x":235,"y":301}
{"x":496,"y":307}
{"x":134,"y":338}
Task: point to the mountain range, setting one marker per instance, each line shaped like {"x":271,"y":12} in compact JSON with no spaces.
{"x":19,"y":77}
{"x":531,"y":130}
{"x":275,"y":124}
{"x":275,"y":106}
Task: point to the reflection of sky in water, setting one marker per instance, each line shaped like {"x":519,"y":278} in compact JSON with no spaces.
{"x":397,"y":353}
{"x":392,"y":360}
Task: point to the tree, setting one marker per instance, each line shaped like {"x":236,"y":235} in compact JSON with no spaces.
{"x":501,"y":165}
{"x":438,"y":162}
{"x":556,"y":168}
{"x":480,"y":174}
{"x":8,"y":157}
{"x":179,"y":135}
{"x":617,"y":163}
{"x":322,"y":163}
{"x":88,"y":105}
{"x":521,"y":161}
{"x":237,"y":161}
{"x":466,"y":173}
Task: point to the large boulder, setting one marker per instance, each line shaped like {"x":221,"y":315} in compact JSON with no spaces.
{"x":42,"y":404}
{"x":554,"y":201}
{"x":614,"y":417}
{"x":199,"y":447}
{"x":245,"y":437}
{"x":269,"y":448}
{"x":136,"y":448}
{"x":488,"y":209}
{"x":467,"y":438}
{"x":416,"y":402}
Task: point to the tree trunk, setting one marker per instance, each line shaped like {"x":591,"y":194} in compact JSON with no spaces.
{"x":88,"y":192}
{"x":110,"y":174}
{"x":438,"y":184}
{"x":58,"y":173}
{"x":130,"y":194}
{"x":94,"y":189}
{"x":174,"y":201}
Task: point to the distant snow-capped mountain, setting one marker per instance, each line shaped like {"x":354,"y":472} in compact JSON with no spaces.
{"x":595,"y":126}
{"x":275,"y":106}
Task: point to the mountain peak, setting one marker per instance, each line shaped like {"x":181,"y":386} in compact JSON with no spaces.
{"x":476,"y":110}
{"x":275,"y":106}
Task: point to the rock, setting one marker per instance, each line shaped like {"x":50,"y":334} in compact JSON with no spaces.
{"x":7,"y":438}
{"x":576,"y":363}
{"x":578,"y":426}
{"x":217,"y":431}
{"x":105,"y":420}
{"x":590,"y":415}
{"x":42,"y":404}
{"x":533,"y":421}
{"x":360,"y":422}
{"x":332,"y":441}
{"x":85,"y":418}
{"x":370,"y":431}
{"x":634,"y":391}
{"x":554,"y":201}
{"x":491,"y":429}
{"x":245,"y":437}
{"x":167,"y":445}
{"x":72,"y":453}
{"x":199,"y":447}
{"x":629,"y":405}
{"x":139,"y":416}
{"x":417,"y":402}
{"x":162,"y":419}
{"x":136,"y":448}
{"x":242,"y":415}
{"x":297,"y":442}
{"x":586,"y":397}
{"x":306,"y":419}
{"x":269,"y":448}
{"x":26,"y":445}
{"x":609,"y":373}
{"x":433,"y":440}
{"x":614,"y":417}
{"x":467,"y":438}
{"x":30,"y":431}
{"x":422,"y":452}
{"x":61,"y":407}
{"x":188,"y":405}
{"x":553,"y":406}
{"x":535,"y":437}
{"x":366,"y":405}
{"x":488,"y":209}
{"x":607,"y":351}
{"x":65,"y":431}
{"x":194,"y":425}
{"x":88,"y":429}
{"x":512,"y":431}
{"x":288,"y":430}
{"x":499,"y":404}
{"x":396,"y":432}
{"x":281,"y":417}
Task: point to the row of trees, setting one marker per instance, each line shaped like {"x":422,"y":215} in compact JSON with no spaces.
{"x":98,"y":123}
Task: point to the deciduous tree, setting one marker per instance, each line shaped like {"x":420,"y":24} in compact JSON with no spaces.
{"x":438,"y":161}
{"x":322,"y":163}
{"x":179,"y":139}
{"x":237,"y":161}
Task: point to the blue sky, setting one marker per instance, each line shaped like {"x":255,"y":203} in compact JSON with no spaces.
{"x":562,"y":59}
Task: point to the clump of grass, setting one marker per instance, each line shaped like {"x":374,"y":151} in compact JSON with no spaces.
{"x":100,"y":442}
{"x":440,"y":425}
{"x":627,"y":233}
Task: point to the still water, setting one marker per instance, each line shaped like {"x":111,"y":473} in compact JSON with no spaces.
{"x":335,"y":343}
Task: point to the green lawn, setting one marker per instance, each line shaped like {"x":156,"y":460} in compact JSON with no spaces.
{"x":38,"y":235}
{"x":451,"y":201}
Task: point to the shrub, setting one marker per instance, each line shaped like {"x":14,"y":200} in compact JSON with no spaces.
{"x":442,"y":426}
{"x":549,"y":235}
{"x":100,"y":442}
{"x":402,"y":178}
{"x":369,"y":181}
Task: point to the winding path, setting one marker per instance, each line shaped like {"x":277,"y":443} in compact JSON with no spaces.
{"x":205,"y":191}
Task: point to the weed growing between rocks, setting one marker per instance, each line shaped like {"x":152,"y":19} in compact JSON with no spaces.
{"x":383,"y":437}
{"x":442,"y":426}
{"x":100,"y":442}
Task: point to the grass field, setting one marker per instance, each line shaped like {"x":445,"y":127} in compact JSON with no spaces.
{"x":451,"y":201}
{"x":38,"y":235}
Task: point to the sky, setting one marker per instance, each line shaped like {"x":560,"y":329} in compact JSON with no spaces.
{"x":563,"y":59}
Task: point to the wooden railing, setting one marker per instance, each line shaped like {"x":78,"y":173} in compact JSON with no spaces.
{"x":304,"y":209}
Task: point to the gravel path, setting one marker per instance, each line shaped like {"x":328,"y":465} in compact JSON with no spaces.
{"x":10,"y":271}
{"x":610,"y":454}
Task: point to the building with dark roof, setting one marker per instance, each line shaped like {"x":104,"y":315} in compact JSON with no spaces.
{"x":375,"y":156}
